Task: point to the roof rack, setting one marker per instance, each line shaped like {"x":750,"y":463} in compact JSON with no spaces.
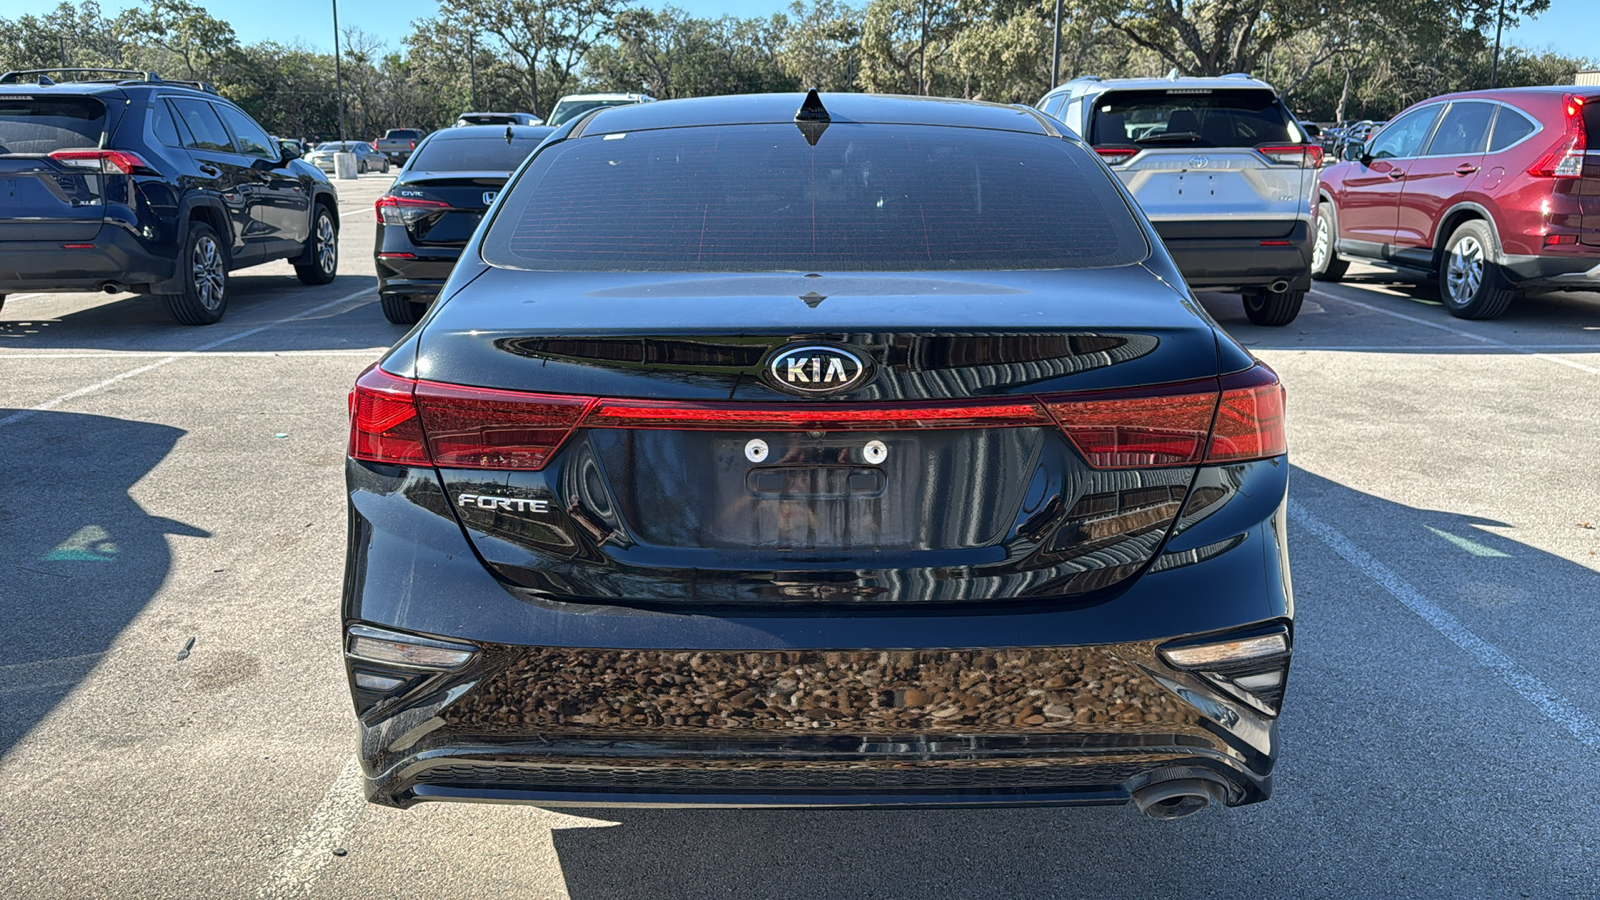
{"x":125,"y":76}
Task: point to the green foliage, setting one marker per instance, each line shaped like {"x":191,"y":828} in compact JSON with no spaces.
{"x":1330,"y":58}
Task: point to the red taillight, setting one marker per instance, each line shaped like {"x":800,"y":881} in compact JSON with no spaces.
{"x":1565,"y":159}
{"x":413,"y":145}
{"x":478,"y":428}
{"x":1306,"y":156}
{"x":1249,"y":418}
{"x":1141,"y":428}
{"x":106,"y":162}
{"x":806,"y":417}
{"x":384,"y":427}
{"x":405,"y":210}
{"x":1115,"y":155}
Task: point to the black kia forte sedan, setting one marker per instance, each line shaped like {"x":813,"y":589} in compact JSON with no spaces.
{"x":838,"y":451}
{"x":431,"y":210}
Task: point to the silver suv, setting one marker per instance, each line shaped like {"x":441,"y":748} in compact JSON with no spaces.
{"x":1226,"y":174}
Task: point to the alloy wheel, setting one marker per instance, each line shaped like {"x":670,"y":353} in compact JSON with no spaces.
{"x":327,"y":244}
{"x":1464,"y":271}
{"x":209,"y":272}
{"x":1319,"y":250}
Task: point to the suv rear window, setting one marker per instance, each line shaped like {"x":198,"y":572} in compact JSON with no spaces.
{"x":486,"y":154}
{"x":760,"y":198}
{"x":1192,"y":117}
{"x":402,"y":134}
{"x":48,"y":124}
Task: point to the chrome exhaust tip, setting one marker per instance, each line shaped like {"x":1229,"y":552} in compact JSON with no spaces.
{"x":1279,"y":286}
{"x":1178,"y":798}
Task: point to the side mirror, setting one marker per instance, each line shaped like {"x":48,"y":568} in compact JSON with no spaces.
{"x":1356,"y":151}
{"x":1312,"y":129}
{"x":288,"y":150}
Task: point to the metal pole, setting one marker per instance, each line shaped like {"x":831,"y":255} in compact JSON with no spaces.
{"x":472,"y":60}
{"x":922,"y":55}
{"x":338,"y":68}
{"x":1494,"y":68}
{"x":1055,"y":58}
{"x":63,"y":39}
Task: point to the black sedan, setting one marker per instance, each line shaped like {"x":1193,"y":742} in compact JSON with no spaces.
{"x":817,"y":451}
{"x":434,"y":206}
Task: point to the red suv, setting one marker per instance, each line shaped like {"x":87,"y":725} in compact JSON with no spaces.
{"x":1489,"y":192}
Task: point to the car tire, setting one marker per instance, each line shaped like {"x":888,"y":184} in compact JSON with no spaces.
{"x":1471,"y":285}
{"x":204,"y":273}
{"x":319,"y":264}
{"x":1326,"y":264}
{"x":1273,"y":308}
{"x":361,"y":167}
{"x":402,"y":310}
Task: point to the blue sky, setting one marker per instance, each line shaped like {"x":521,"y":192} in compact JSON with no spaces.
{"x":1571,"y":26}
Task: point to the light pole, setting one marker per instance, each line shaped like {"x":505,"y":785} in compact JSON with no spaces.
{"x":472,"y":63}
{"x":1494,"y":67}
{"x":338,"y":69}
{"x":1055,"y":56}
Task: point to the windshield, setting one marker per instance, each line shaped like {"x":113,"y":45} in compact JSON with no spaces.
{"x":486,"y":154}
{"x":47,"y":125}
{"x":760,"y":198}
{"x":1197,"y":117}
{"x":571,"y":109}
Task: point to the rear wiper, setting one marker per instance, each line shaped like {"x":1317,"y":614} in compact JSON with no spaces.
{"x":1171,"y":137}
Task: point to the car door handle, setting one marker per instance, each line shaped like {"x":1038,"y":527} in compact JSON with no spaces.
{"x":1466,"y":169}
{"x":1396,"y":174}
{"x":213,"y":171}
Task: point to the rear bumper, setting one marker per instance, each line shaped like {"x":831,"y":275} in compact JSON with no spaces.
{"x":1245,"y":262}
{"x":419,"y":277}
{"x":567,"y":704}
{"x":116,"y":256}
{"x":1571,"y":273}
{"x":1020,"y":726}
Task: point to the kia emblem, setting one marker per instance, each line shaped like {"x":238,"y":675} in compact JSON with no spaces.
{"x":812,"y":369}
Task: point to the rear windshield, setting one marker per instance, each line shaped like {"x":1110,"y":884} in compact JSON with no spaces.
{"x":46,"y":125}
{"x":571,"y":109}
{"x":1192,"y":117}
{"x":760,"y":198}
{"x":486,"y":154}
{"x":335,"y":146}
{"x":402,"y":134}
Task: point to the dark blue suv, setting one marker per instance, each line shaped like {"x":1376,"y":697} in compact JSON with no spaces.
{"x":121,"y":181}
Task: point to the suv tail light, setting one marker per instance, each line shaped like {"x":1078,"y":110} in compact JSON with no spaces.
{"x":404,"y":422}
{"x":413,"y":145}
{"x":1116,"y":155}
{"x":1565,"y":159}
{"x":405,"y":210}
{"x":106,"y":162}
{"x":1306,"y":156}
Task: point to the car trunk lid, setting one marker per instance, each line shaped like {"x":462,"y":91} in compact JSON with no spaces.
{"x":448,"y":207}
{"x":44,"y":198}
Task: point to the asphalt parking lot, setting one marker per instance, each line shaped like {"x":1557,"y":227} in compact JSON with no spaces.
{"x":174,"y":720}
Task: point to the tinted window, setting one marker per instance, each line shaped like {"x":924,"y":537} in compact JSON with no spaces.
{"x":1464,"y":129}
{"x":486,"y":154}
{"x":252,"y":138}
{"x":205,"y":129}
{"x":1404,"y":136}
{"x":403,"y":134}
{"x":47,"y":125}
{"x":1511,"y":127}
{"x":163,"y":125}
{"x":760,"y":198}
{"x":1191,"y":117}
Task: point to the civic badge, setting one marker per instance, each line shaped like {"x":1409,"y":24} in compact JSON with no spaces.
{"x":488,"y":197}
{"x":812,"y":369}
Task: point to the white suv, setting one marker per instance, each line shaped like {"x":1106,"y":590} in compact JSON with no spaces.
{"x":1226,"y":174}
{"x":574,"y":105}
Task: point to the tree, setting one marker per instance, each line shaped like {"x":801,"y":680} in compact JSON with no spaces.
{"x":820,"y":45}
{"x":180,"y":32}
{"x":903,"y":44}
{"x":548,"y":39}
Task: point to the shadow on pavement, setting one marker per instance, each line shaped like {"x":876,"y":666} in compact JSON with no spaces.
{"x":141,"y":322}
{"x":80,"y":557}
{"x":1407,"y":770}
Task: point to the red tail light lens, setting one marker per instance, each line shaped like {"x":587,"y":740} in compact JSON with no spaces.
{"x":1249,"y":418}
{"x":478,"y":428}
{"x":406,"y":210}
{"x":805,"y":417}
{"x":1565,"y":159}
{"x":384,"y":427}
{"x":106,"y":162}
{"x":1139,"y":429}
{"x":1115,"y":155}
{"x":1306,"y":156}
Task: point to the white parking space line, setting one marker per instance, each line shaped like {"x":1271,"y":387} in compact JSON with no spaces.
{"x":1477,"y":337}
{"x":174,"y":357}
{"x":23,"y":296}
{"x":372,"y":352}
{"x":1555,"y":707}
{"x":313,"y":849}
